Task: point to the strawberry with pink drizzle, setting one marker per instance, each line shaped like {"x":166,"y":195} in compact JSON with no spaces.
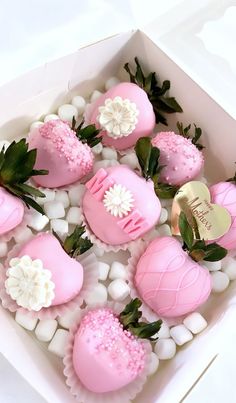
{"x":224,"y":194}
{"x":114,"y":208}
{"x":128,"y":111}
{"x":169,"y":280}
{"x":37,"y":279}
{"x":180,"y":156}
{"x":17,"y":165}
{"x":108,"y":352}
{"x":63,"y":152}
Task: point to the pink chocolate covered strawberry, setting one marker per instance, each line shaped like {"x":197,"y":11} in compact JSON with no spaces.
{"x":180,"y":156}
{"x":108,"y":353}
{"x":65,"y":152}
{"x":114,"y":208}
{"x":169,"y":279}
{"x":16,"y":167}
{"x":128,"y":111}
{"x":37,"y":278}
{"x":224,"y":194}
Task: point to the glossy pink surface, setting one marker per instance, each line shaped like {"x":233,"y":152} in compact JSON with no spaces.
{"x":224,"y":194}
{"x":61,"y":153}
{"x":67,"y":273}
{"x":11,"y":211}
{"x":105,"y":357}
{"x":181,"y":158}
{"x":146,"y":117}
{"x":170,"y":282}
{"x":144,"y":215}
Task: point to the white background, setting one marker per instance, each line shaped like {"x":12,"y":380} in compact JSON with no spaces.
{"x":33,"y":32}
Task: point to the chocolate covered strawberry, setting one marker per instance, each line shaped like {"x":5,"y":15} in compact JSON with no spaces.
{"x":180,"y":155}
{"x":224,"y":194}
{"x":114,"y":208}
{"x":108,"y":350}
{"x":64,"y":151}
{"x":127,"y":111}
{"x":16,"y":168}
{"x":44,"y":273}
{"x":168,"y":277}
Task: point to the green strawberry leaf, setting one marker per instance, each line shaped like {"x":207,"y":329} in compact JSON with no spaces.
{"x":75,"y":244}
{"x":88,"y":135}
{"x":185,"y":132}
{"x":129,"y":318}
{"x":214,"y":252}
{"x":186,"y":230}
{"x":156,"y":94}
{"x":165,"y":191}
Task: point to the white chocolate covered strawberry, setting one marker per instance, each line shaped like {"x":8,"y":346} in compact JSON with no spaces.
{"x":108,"y":353}
{"x":64,"y":152}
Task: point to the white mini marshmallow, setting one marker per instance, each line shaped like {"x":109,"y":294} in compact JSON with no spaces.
{"x":164,"y":230}
{"x":109,"y":153}
{"x":103,"y":269}
{"x":80,"y":103}
{"x":60,"y":226}
{"x":180,"y":334}
{"x":95,"y":95}
{"x":229,"y":267}
{"x":212,"y":266}
{"x":164,"y":332}
{"x":153,"y":365}
{"x":164,"y":216}
{"x":67,"y":112}
{"x":97,"y":296}
{"x":166,"y":202}
{"x":74,"y":215}
{"x":49,"y":196}
{"x":54,"y":209}
{"x":97,"y":149}
{"x":59,"y":342}
{"x":165,"y":349}
{"x":25,"y":321}
{"x":62,"y":196}
{"x":5,"y":144}
{"x":23,"y":235}
{"x":38,"y":221}
{"x":195,"y":322}
{"x":149,"y":236}
{"x":118,"y":270}
{"x":69,"y":318}
{"x":99,"y":252}
{"x":118,"y":290}
{"x":52,"y":116}
{"x":131,"y":160}
{"x":111,"y":82}
{"x":104,"y":164}
{"x":220,"y":281}
{"x":76,"y":195}
{"x":45,"y":329}
{"x":3,"y":249}
{"x":35,"y":125}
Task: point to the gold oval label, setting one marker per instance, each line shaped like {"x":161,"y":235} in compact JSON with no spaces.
{"x":213,"y":220}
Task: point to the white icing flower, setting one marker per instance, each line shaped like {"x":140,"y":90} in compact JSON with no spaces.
{"x":118,"y":200}
{"x":118,"y":117}
{"x":29,"y":283}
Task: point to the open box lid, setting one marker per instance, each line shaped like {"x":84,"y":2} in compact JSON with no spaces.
{"x":199,"y":37}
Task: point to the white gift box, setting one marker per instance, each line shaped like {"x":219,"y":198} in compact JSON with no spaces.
{"x":42,"y":91}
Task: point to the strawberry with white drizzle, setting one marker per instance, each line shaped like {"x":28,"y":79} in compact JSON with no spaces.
{"x":63,"y":151}
{"x":108,"y":350}
{"x":180,"y":156}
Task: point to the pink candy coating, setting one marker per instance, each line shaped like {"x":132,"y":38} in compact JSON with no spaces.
{"x":169,"y":281}
{"x":181,"y":159}
{"x":224,"y":194}
{"x":105,"y":357}
{"x":110,"y":229}
{"x":67,"y":273}
{"x":60,"y":152}
{"x":11,"y":211}
{"x":146,"y":117}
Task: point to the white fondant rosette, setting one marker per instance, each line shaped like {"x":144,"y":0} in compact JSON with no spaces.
{"x":24,"y":223}
{"x":79,"y":391}
{"x":89,"y":263}
{"x":136,"y":252}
